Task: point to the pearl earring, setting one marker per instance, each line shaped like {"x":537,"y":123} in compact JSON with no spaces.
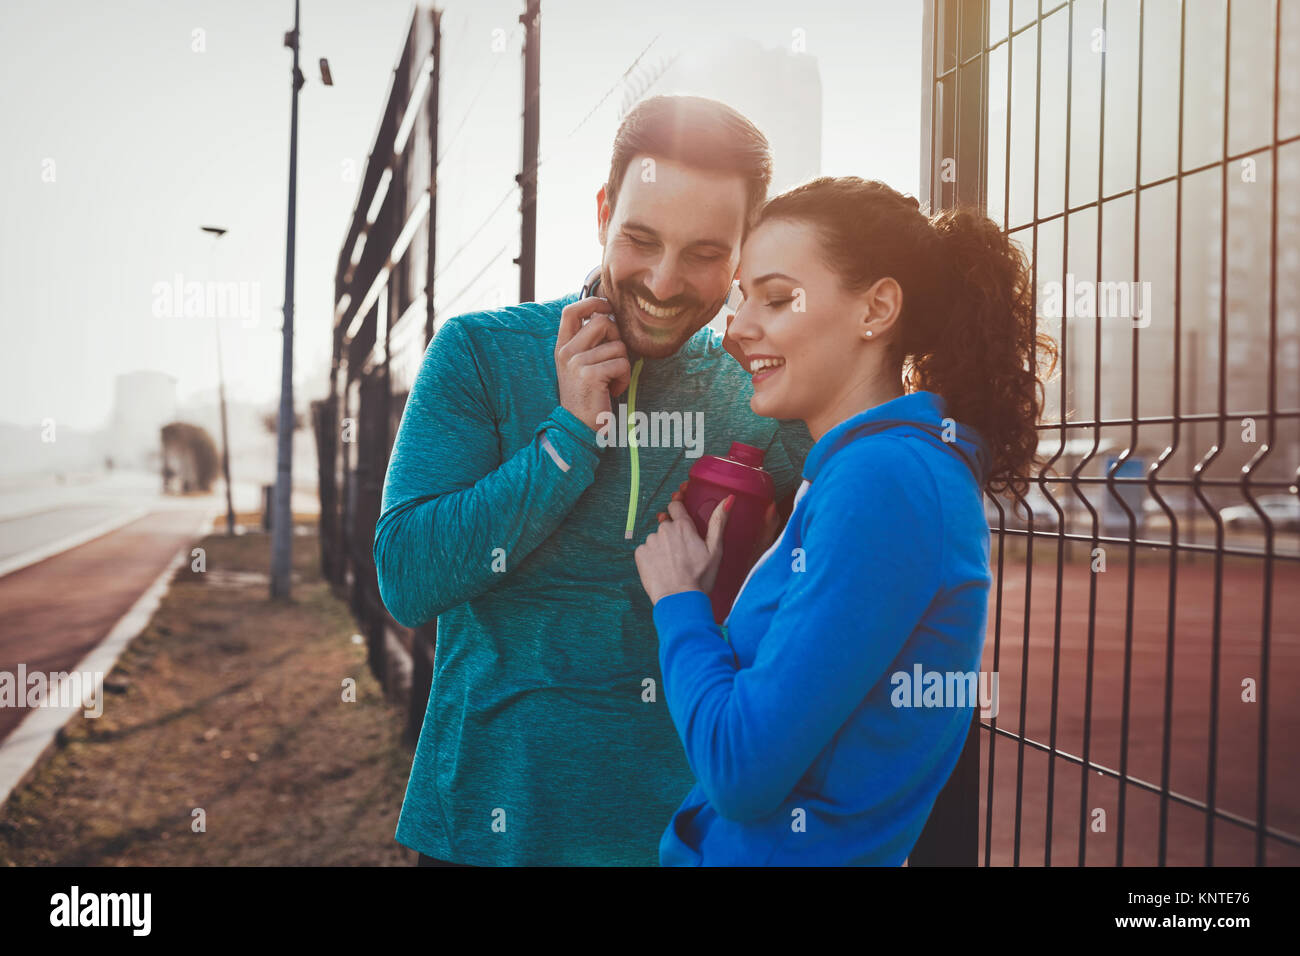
{"x":868,"y":333}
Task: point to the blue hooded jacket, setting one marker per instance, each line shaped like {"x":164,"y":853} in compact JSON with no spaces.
{"x":824,"y":732}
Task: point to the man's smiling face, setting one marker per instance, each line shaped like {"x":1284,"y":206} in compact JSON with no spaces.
{"x":672,"y":244}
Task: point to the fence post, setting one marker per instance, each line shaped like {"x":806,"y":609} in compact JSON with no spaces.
{"x":953,"y":139}
{"x":527,"y":261}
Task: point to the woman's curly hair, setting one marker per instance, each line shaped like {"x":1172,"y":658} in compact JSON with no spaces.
{"x":967,"y":327}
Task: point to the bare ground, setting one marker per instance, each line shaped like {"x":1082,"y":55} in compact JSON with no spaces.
{"x":232,"y":705}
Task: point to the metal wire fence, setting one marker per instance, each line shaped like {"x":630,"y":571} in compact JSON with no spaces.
{"x":1147,"y":156}
{"x":1142,"y":627}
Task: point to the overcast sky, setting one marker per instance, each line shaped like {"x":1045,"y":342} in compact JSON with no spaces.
{"x":129,"y":124}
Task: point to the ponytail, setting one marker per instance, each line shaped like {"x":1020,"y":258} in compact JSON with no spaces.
{"x":967,"y":329}
{"x":976,"y":343}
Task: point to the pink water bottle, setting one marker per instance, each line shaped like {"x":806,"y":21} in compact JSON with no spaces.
{"x":712,"y":479}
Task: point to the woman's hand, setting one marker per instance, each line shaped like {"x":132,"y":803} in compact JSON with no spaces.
{"x":675,"y":558}
{"x":771,"y":530}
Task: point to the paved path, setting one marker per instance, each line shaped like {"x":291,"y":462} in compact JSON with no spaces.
{"x":55,"y":612}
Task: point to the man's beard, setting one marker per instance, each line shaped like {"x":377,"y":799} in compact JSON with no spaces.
{"x":659,"y":343}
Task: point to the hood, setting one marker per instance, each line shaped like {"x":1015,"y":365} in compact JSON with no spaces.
{"x":920,"y":413}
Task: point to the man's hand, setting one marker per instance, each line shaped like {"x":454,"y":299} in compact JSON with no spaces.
{"x":591,"y":362}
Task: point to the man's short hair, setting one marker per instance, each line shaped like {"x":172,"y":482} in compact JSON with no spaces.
{"x":697,"y":132}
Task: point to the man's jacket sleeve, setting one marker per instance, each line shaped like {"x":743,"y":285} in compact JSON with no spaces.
{"x":450,"y":502}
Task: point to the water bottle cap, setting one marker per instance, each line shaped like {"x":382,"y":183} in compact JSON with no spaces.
{"x":746,"y":454}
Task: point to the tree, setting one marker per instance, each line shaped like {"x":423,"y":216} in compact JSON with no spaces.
{"x":189,"y":455}
{"x":271,"y":421}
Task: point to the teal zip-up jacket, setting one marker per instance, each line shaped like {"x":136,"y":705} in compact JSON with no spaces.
{"x":547,"y":739}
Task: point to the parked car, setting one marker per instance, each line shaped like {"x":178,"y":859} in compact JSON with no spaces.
{"x":1015,"y":513}
{"x":1282,"y":510}
{"x":1181,"y":501}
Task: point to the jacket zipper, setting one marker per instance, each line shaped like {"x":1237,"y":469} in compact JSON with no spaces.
{"x":635,"y":487}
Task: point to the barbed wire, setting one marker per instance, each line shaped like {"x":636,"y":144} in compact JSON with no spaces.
{"x":469,"y":110}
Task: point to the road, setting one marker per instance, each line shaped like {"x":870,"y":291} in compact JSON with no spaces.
{"x":57,"y":610}
{"x":75,"y":556}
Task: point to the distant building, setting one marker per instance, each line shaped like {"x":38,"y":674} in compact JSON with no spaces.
{"x":1213,"y":304}
{"x":143,"y":402}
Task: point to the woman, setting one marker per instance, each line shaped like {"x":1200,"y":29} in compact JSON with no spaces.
{"x":908,"y":347}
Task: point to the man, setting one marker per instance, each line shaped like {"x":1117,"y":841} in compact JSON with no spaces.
{"x":518,"y":491}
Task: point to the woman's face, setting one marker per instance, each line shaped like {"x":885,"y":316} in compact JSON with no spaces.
{"x":801,"y":332}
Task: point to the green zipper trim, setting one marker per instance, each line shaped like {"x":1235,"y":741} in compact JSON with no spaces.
{"x":635,"y":488}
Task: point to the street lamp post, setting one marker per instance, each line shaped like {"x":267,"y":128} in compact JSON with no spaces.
{"x":281,"y":512}
{"x":217,"y":232}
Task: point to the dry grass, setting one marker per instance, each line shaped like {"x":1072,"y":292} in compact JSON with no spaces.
{"x":232,"y":704}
